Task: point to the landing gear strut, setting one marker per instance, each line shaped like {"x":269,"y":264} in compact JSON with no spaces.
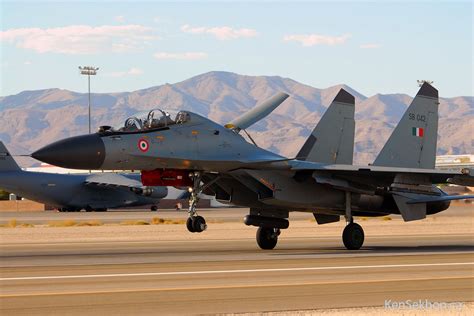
{"x":195,"y":223}
{"x":353,"y":234}
{"x":267,"y":238}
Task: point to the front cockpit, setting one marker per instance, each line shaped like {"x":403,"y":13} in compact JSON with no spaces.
{"x":151,"y":120}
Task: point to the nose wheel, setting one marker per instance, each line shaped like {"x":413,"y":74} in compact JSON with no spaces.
{"x":196,"y":224}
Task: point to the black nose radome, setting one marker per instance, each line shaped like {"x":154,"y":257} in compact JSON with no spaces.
{"x":80,"y":152}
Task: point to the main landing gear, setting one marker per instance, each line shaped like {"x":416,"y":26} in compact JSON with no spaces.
{"x":353,"y":234}
{"x":195,"y":223}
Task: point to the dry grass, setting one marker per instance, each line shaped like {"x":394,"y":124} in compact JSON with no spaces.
{"x":90,"y":223}
{"x":386,"y":218}
{"x":13,"y":223}
{"x":135,"y":222}
{"x":65,"y":223}
{"x":26,"y":225}
{"x":166,"y":221}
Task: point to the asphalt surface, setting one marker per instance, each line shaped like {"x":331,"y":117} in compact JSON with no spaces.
{"x":231,"y":275}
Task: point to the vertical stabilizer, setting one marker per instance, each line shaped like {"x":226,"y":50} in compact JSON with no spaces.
{"x":332,"y":140}
{"x":7,"y":163}
{"x":413,"y":142}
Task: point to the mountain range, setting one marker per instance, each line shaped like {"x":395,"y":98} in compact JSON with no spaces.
{"x":32,"y":119}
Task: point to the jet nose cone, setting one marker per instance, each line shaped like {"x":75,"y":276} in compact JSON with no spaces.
{"x":80,"y":152}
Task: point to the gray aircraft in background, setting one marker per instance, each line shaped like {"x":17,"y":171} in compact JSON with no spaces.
{"x":73,"y":192}
{"x":194,"y":151}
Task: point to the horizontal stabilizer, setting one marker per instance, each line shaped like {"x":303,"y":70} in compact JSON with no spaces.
{"x":409,"y":212}
{"x":441,"y":199}
{"x":257,"y":113}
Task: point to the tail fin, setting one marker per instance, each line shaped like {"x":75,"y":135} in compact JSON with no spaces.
{"x":413,"y":142}
{"x":332,"y":140}
{"x":7,"y":163}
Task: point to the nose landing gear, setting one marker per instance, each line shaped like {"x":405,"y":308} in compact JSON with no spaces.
{"x":195,"y":223}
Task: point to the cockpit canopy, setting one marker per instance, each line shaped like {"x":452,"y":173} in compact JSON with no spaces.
{"x":153,"y":119}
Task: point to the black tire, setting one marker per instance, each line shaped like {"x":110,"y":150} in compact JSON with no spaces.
{"x":189,"y":225}
{"x":199,"y":224}
{"x":353,"y":236}
{"x":267,"y":239}
{"x":154,"y":208}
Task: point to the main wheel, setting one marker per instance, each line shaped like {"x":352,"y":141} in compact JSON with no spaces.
{"x":154,"y":208}
{"x":353,"y":236}
{"x":189,"y":225}
{"x":199,"y":224}
{"x":266,"y":238}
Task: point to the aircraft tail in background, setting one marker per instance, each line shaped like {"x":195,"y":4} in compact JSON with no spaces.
{"x":7,"y":163}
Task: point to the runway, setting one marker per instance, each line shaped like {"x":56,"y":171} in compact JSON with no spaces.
{"x":223,"y":275}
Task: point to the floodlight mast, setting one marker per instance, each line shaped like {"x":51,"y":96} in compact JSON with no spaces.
{"x":89,"y":71}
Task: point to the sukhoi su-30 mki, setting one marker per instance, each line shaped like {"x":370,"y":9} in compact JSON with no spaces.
{"x":190,"y":150}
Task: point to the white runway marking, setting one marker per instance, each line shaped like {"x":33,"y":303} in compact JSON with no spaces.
{"x":121,"y":275}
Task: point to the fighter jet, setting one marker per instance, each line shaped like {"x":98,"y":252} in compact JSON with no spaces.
{"x":191,"y":150}
{"x":73,"y":192}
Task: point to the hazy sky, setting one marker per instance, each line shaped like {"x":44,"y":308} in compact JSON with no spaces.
{"x":371,"y":46}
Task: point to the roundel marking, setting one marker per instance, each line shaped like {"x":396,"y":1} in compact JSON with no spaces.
{"x":143,"y":145}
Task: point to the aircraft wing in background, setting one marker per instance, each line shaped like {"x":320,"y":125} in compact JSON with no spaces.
{"x":113,"y":179}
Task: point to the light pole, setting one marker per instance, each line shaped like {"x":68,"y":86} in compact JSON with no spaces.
{"x":89,"y":71}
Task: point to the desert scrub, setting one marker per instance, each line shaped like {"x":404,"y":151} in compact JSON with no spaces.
{"x":65,"y":223}
{"x":90,"y":223}
{"x":166,"y":221}
{"x":135,"y":222}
